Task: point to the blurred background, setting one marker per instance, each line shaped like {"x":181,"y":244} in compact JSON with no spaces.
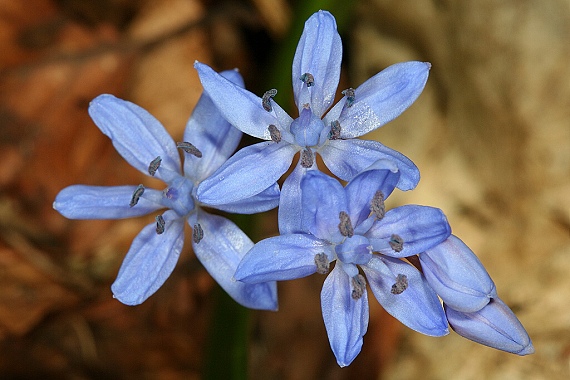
{"x":490,"y":134}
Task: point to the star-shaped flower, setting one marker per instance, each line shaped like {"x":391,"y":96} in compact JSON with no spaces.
{"x":217,"y":242}
{"x":316,"y":72}
{"x":351,"y":226}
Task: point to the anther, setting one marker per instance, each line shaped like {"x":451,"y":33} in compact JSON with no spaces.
{"x":137,"y":195}
{"x":334,"y":134}
{"x":266,"y":99}
{"x":350,"y":96}
{"x":154,"y":165}
{"x":358,"y":286}
{"x":396,"y":242}
{"x":308,"y":79}
{"x":274,"y":133}
{"x":345,"y":225}
{"x":400,"y":285}
{"x":189,"y":148}
{"x":377,"y":205}
{"x":307,"y":158}
{"x":322,"y":263}
{"x":197,"y":233}
{"x":160,"y":223}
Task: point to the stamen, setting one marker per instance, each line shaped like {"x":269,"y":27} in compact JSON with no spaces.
{"x":334,"y":134}
{"x":308,"y":79}
{"x":160,"y":223}
{"x":274,"y":133}
{"x":400,"y":285}
{"x":359,"y":286}
{"x":377,"y":205}
{"x":322,"y":263}
{"x":350,"y":96}
{"x":307,"y":158}
{"x":197,"y":233}
{"x":189,"y":148}
{"x":345,"y":225}
{"x":266,"y":99}
{"x":136,"y":195}
{"x":396,"y":242}
{"x":154,"y":165}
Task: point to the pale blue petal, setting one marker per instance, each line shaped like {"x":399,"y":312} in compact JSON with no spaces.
{"x":220,"y":251}
{"x":238,"y":106}
{"x":420,"y":227}
{"x":135,"y":133}
{"x":380,"y":99}
{"x":211,"y":134}
{"x":149,"y":262}
{"x":417,"y":306}
{"x":457,"y":276}
{"x":318,"y":53}
{"x":362,"y":189}
{"x":247,"y":173}
{"x":283,"y":257}
{"x":323,"y":198}
{"x":346,"y":319}
{"x":290,"y":207}
{"x":264,"y":201}
{"x":101,"y":202}
{"x":495,"y":326}
{"x":347,"y":158}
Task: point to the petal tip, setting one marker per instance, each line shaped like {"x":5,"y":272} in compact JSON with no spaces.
{"x":527,"y":350}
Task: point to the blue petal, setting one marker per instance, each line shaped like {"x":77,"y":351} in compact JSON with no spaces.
{"x":323,"y":198}
{"x":135,"y":134}
{"x":220,"y":251}
{"x":248,"y":172}
{"x":346,"y":319}
{"x":100,"y":202}
{"x":264,"y":201}
{"x":495,"y":326}
{"x":347,"y":158}
{"x":283,"y":257}
{"x":318,"y":53}
{"x":457,"y":276}
{"x":149,"y":262}
{"x":420,"y":228}
{"x":290,"y":207}
{"x":417,"y":306}
{"x":380,"y":99}
{"x":240,"y":107}
{"x":211,"y":134}
{"x":362,"y":189}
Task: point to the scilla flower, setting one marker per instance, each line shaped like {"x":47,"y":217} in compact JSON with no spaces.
{"x":217,"y":242}
{"x":350,"y":226}
{"x":316,"y":72}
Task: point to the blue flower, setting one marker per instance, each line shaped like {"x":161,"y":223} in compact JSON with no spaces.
{"x":351,"y":226}
{"x":470,"y":298}
{"x":316,"y":72}
{"x":217,"y":242}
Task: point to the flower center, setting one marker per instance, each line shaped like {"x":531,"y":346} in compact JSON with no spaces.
{"x":307,"y":128}
{"x":178,"y":196}
{"x":355,"y":250}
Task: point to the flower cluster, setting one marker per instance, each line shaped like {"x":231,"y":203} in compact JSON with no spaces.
{"x":416,"y":269}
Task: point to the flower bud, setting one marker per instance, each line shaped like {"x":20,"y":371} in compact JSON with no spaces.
{"x":457,"y":276}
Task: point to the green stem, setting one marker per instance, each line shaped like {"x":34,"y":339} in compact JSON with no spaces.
{"x":226,"y":357}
